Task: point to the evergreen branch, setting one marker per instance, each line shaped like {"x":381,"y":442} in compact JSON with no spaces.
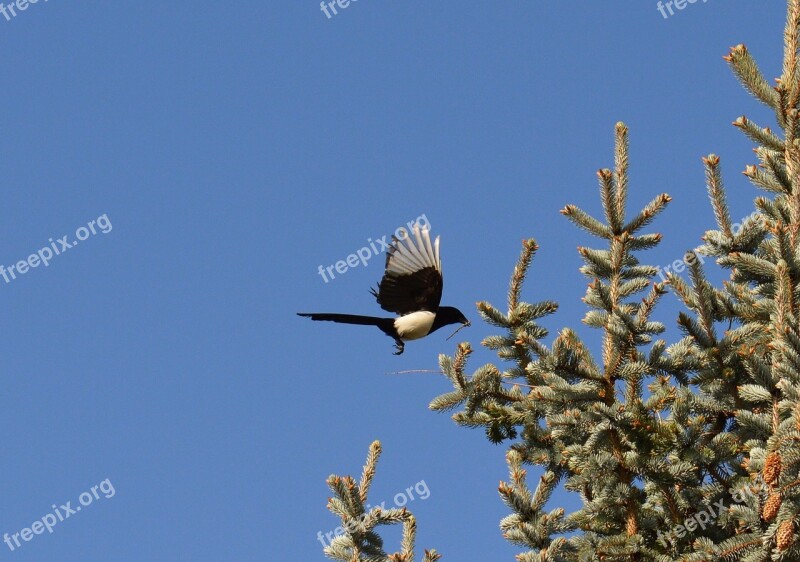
{"x":746,"y":70}
{"x":759,"y":268}
{"x":760,"y":135}
{"x":360,"y":543}
{"x":790,"y":46}
{"x":597,"y":263}
{"x":716,"y":192}
{"x":586,"y":222}
{"x":529,"y":248}
{"x":645,"y":242}
{"x":706,"y":305}
{"x":407,"y":542}
{"x":621,"y":165}
{"x":492,"y":316}
{"x":608,"y":194}
{"x":649,"y":213}
{"x":784,"y":298}
{"x":766,"y":181}
{"x":369,"y":469}
{"x":775,"y":169}
{"x":447,"y":401}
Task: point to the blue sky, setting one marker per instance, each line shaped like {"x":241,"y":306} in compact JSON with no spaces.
{"x":233,"y":149}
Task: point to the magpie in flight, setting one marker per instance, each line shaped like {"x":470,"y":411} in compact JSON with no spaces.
{"x":411,"y":288}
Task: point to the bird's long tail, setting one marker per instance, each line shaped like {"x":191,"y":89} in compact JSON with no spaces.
{"x":385,"y":325}
{"x":346,"y":318}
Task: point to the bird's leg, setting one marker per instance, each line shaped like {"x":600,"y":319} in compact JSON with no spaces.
{"x":399,"y":346}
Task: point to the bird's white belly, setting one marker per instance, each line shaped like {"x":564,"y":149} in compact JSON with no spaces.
{"x":415,"y":325}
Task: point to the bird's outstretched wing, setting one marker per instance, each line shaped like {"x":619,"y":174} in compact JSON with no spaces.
{"x":413,"y":277}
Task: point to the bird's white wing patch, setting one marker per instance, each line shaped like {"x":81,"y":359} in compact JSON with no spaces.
{"x":414,"y":252}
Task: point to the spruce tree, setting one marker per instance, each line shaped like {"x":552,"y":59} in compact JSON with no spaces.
{"x":688,"y":451}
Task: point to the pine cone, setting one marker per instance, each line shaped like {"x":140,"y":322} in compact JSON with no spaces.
{"x":772,"y":468}
{"x":772,"y":506}
{"x":785,"y":535}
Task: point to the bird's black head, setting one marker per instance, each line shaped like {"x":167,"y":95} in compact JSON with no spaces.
{"x":453,"y":315}
{"x":449,"y":315}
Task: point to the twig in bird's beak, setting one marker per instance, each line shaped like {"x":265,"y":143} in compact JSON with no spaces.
{"x":459,"y":328}
{"x":413,"y":371}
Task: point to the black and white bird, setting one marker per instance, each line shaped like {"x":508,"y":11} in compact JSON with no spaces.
{"x":412,"y":288}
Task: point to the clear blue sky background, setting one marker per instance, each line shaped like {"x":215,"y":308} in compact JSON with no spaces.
{"x":237,"y":147}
